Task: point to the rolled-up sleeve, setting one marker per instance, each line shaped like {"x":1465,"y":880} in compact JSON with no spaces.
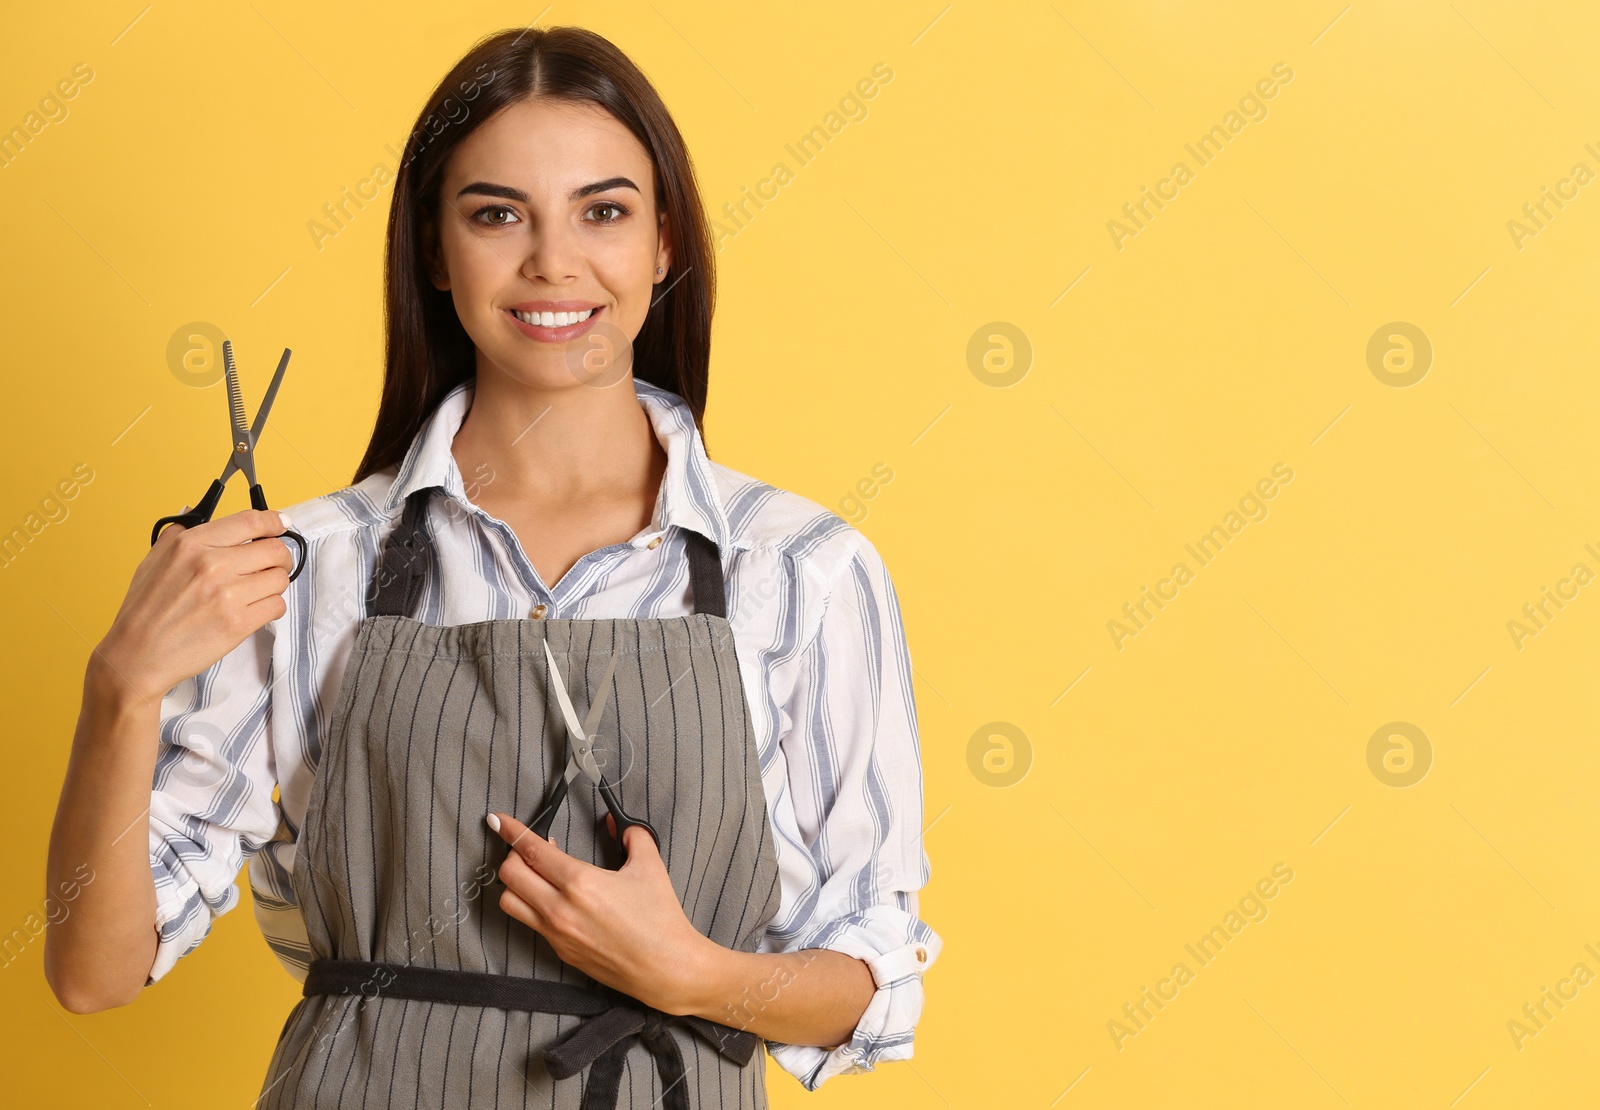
{"x":211,"y":802}
{"x":850,"y":854}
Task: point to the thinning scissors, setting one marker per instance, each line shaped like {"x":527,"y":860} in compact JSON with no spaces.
{"x":241,"y":456}
{"x":581,"y":743}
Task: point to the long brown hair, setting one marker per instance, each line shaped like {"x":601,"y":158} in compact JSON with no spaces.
{"x":428,"y":351}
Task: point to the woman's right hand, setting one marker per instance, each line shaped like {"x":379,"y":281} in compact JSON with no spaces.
{"x":197,"y":595}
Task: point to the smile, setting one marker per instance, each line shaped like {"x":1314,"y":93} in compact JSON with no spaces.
{"x":554,"y":327}
{"x":553,"y":319}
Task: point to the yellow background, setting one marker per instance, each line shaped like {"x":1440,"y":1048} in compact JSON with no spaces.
{"x":1229,"y":335}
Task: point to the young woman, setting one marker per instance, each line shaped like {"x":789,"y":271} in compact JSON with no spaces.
{"x":535,"y":534}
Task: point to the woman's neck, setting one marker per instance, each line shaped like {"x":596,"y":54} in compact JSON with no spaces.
{"x":568,"y":470}
{"x":558,"y":446}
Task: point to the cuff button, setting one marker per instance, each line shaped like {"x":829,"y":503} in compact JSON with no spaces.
{"x":922,"y":954}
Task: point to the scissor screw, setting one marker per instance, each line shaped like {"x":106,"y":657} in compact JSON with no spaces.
{"x":240,"y":448}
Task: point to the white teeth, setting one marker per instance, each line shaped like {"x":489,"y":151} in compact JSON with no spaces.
{"x":554,"y":319}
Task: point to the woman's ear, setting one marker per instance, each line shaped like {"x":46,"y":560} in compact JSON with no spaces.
{"x":664,"y":250}
{"x":431,"y":261}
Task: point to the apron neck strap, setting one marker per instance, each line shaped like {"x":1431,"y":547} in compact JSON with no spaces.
{"x":705,"y":574}
{"x":397,"y":584}
{"x":408,"y":552}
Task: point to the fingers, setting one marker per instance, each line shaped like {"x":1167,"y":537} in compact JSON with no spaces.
{"x":516,"y":834}
{"x":542,"y":857}
{"x":240,"y":527}
{"x":264,"y":554}
{"x":251,"y":572}
{"x":241,"y":556}
{"x":526,"y":887}
{"x":266,"y":609}
{"x":526,"y":884}
{"x":523,"y":911}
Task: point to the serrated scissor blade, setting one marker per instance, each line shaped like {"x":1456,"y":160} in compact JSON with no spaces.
{"x":241,"y":426}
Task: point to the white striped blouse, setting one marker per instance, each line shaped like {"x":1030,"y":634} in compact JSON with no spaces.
{"x":823,"y":660}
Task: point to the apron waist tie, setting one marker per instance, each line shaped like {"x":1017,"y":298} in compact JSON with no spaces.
{"x":616,"y":1020}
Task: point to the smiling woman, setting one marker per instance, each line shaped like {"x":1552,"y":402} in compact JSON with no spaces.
{"x":557,"y":102}
{"x":483,"y":897}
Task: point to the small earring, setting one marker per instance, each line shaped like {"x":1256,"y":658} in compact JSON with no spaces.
{"x":658,"y":269}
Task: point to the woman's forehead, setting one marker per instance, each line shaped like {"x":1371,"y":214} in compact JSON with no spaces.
{"x":549,"y":145}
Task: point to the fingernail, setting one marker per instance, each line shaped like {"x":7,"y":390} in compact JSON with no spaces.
{"x":494,"y":822}
{"x":284,"y":519}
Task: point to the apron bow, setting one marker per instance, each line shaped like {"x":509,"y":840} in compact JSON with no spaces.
{"x":601,"y":1043}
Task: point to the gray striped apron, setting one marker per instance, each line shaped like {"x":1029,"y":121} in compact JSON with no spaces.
{"x":422,"y":991}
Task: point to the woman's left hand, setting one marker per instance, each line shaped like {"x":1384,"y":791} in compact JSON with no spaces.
{"x":624,"y":928}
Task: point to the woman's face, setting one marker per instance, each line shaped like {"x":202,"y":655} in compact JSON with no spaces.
{"x":549,"y":208}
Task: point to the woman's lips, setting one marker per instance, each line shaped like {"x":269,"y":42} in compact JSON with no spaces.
{"x":554,"y":335}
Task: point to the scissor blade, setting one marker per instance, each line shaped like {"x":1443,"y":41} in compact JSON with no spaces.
{"x":585,"y":760}
{"x":266,"y":402}
{"x":567,"y":712}
{"x":241,"y":429}
{"x":599,"y":705}
{"x":573,"y":768}
{"x":582,"y":748}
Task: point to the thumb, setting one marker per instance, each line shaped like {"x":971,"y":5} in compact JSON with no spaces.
{"x":632,"y":838}
{"x":640,"y":844}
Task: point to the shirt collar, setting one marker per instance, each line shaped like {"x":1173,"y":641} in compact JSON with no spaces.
{"x":688,"y":497}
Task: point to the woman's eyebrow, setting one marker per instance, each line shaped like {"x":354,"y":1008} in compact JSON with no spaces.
{"x":489,"y":189}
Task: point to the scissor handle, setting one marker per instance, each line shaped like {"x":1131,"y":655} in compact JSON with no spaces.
{"x":623,"y":820}
{"x":203,"y":512}
{"x":547,"y":816}
{"x":258,"y":500}
{"x":197,"y":515}
{"x":301,"y":540}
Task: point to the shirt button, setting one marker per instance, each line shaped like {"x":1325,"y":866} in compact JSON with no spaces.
{"x":922,"y":954}
{"x":652,"y":544}
{"x":538,"y":611}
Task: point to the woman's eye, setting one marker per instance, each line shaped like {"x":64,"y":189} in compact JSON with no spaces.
{"x":500,"y":215}
{"x":478,"y":215}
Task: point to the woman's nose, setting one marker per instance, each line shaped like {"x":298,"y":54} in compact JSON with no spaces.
{"x":552,"y":254}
